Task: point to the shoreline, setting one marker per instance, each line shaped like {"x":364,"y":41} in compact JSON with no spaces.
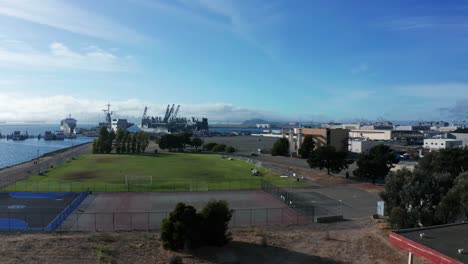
{"x":11,"y":174}
{"x":48,"y":154}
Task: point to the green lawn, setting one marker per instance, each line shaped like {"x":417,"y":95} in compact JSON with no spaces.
{"x":169,"y":171}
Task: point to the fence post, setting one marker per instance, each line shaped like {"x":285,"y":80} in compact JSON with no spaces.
{"x":148,"y":227}
{"x":113,"y":220}
{"x":250,"y":216}
{"x":282,"y":215}
{"x":131,"y":221}
{"x":266,"y":216}
{"x":95,"y":222}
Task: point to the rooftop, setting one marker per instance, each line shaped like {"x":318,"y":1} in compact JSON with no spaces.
{"x":435,"y":243}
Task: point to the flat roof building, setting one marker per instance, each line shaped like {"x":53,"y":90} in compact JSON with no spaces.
{"x":441,"y":143}
{"x":437,"y":244}
{"x":371,"y":134}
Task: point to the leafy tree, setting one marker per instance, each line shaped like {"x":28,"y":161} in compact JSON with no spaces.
{"x":308,"y":145}
{"x":280,"y":148}
{"x":216,"y":216}
{"x":454,"y":206}
{"x":170,"y":142}
{"x":416,"y":195}
{"x":181,"y":230}
{"x":185,"y":138}
{"x":219,"y":148}
{"x":376,"y":163}
{"x":95,"y":148}
{"x":230,"y":149}
{"x":197,"y":142}
{"x":109,"y":142}
{"x":129,"y":142}
{"x":327,"y":157}
{"x":124,"y":142}
{"x":453,"y":161}
{"x":209,"y":146}
{"x":144,"y":140}
{"x":134,"y":144}
{"x":118,"y":140}
{"x":187,"y":229}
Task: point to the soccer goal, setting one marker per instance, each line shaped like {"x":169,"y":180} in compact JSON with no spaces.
{"x":138,"y":179}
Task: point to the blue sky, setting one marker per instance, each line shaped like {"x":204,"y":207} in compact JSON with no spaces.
{"x":235,"y":60}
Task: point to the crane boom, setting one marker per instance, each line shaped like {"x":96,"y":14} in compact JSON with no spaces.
{"x":166,"y":116}
{"x":176,"y":112}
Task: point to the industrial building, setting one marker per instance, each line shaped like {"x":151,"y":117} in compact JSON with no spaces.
{"x":117,"y":124}
{"x":460,"y":134}
{"x":337,"y":138}
{"x":437,"y":244}
{"x":371,"y":134}
{"x":441,"y":143}
{"x":361,"y":146}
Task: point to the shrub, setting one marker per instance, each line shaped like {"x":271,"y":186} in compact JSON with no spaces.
{"x":187,"y":229}
{"x":230,"y":149}
{"x":280,"y":148}
{"x":216,"y":216}
{"x":182,"y":229}
{"x":209,"y":146}
{"x":219,"y":148}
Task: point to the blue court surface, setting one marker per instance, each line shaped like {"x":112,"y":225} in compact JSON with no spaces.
{"x":37,"y":211}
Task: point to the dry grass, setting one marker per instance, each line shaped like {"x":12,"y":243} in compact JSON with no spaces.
{"x":361,"y":241}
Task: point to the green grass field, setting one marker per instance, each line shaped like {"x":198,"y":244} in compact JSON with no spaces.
{"x":168,"y":171}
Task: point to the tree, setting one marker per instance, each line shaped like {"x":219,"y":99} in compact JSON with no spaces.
{"x":118,"y":140}
{"x":95,"y":148}
{"x":453,"y":161}
{"x":124,"y":142}
{"x":416,"y":195}
{"x":197,"y":142}
{"x":376,"y":163}
{"x":280,"y":148}
{"x":308,"y":145}
{"x":170,"y":142}
{"x":327,"y":157}
{"x":109,"y":142}
{"x":181,"y":230}
{"x":219,"y":148}
{"x":187,"y":229}
{"x":209,"y":146}
{"x":216,"y":216}
{"x":134,"y":144}
{"x":129,"y":142}
{"x":230,"y":149}
{"x":185,"y":138}
{"x":454,"y":206}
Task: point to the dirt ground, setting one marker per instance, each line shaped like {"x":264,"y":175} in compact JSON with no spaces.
{"x":363,"y":241}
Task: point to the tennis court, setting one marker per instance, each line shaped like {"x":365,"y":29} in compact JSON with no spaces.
{"x":146,"y":210}
{"x":36,"y":211}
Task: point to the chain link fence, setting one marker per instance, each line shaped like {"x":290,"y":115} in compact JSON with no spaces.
{"x":120,"y":221}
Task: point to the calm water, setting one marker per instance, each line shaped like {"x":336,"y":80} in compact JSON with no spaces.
{"x":15,"y":152}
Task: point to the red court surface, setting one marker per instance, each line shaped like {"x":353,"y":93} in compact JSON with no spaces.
{"x":146,"y":210}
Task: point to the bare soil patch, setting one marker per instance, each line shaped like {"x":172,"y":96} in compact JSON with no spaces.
{"x":361,"y":241}
{"x":81,"y":175}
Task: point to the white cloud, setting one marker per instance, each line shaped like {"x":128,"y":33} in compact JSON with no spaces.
{"x":412,"y":23}
{"x":61,"y":57}
{"x":18,"y":108}
{"x":437,"y":90}
{"x":243,"y":19}
{"x":64,"y":16}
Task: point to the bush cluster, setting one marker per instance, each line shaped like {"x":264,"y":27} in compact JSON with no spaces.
{"x":185,"y":228}
{"x":215,"y":147}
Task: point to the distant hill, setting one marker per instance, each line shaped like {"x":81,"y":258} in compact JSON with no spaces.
{"x":253,"y":122}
